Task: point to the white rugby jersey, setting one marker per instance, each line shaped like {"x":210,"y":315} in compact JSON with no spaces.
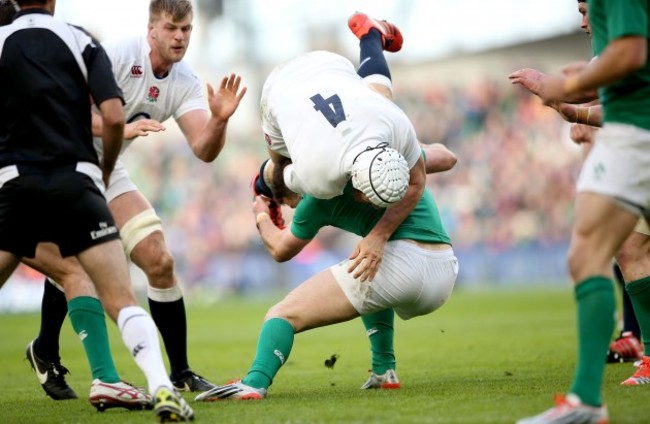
{"x":317,"y":111}
{"x":145,"y":95}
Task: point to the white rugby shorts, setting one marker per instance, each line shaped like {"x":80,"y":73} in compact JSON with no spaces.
{"x":120,"y":182}
{"x":411,"y":280}
{"x":618,"y":166}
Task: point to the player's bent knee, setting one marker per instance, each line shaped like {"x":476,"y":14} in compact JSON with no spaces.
{"x":138,"y":228}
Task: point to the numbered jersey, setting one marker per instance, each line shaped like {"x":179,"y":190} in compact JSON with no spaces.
{"x":145,"y":95}
{"x":317,"y":111}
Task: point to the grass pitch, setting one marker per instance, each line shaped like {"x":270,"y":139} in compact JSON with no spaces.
{"x":485,"y":357}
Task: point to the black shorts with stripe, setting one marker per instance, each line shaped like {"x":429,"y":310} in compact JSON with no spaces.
{"x":62,"y":206}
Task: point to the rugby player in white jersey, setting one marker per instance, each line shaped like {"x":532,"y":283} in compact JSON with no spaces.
{"x":317,"y":111}
{"x":157,"y":84}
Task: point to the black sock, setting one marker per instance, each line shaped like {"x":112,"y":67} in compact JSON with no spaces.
{"x":371,"y":56}
{"x":630,"y":322}
{"x":54,"y":308}
{"x":172,"y":323}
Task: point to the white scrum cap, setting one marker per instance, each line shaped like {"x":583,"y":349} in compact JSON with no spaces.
{"x":382,"y":174}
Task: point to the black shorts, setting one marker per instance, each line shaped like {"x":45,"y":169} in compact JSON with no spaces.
{"x":61,"y":206}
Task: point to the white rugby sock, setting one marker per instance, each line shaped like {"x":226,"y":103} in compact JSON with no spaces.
{"x":141,"y":338}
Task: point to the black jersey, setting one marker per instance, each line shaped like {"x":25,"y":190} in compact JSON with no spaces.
{"x":49,"y":70}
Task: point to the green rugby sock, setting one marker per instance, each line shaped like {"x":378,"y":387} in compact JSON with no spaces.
{"x":379,"y":328}
{"x":273,"y":349}
{"x":639,"y":291}
{"x":596,"y":306}
{"x":87,"y":317}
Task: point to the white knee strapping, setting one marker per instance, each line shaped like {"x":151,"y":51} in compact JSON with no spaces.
{"x":139,"y":227}
{"x":164,"y":295}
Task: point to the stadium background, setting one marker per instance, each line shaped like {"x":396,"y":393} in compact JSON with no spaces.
{"x":507,"y":204}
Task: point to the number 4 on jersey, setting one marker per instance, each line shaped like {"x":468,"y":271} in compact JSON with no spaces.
{"x":331,"y":108}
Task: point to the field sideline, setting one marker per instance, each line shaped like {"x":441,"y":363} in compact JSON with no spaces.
{"x":485,"y":357}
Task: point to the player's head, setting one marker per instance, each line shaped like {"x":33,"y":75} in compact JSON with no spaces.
{"x":170,"y":28}
{"x":584,"y":23}
{"x":8,"y":10}
{"x":281,"y":193}
{"x":381,"y":174}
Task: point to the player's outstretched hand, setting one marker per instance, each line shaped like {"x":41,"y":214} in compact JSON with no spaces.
{"x":528,"y":78}
{"x":142,"y":128}
{"x":224,"y":102}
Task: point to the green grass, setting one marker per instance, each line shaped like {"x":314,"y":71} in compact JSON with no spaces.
{"x":485,"y":357}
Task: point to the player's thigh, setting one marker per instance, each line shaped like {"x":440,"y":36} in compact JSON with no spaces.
{"x":127,"y":205}
{"x":317,"y":302}
{"x":66,"y":272}
{"x":8,"y":264}
{"x":600,"y":228}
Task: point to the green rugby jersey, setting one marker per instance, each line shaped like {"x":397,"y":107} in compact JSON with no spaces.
{"x":626,"y":101}
{"x":423,"y":223}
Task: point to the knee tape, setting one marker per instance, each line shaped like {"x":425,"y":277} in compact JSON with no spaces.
{"x":139,"y":227}
{"x":642,"y":227}
{"x":164,"y":295}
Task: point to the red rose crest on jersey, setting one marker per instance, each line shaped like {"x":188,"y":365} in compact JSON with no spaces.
{"x":154,"y":92}
{"x":136,"y":71}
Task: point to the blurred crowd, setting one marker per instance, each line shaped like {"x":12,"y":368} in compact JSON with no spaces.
{"x":513,"y":184}
{"x":507,"y":204}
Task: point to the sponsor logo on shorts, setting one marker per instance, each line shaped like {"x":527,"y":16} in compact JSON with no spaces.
{"x":104,"y":230}
{"x":599,"y":171}
{"x":82,"y":335}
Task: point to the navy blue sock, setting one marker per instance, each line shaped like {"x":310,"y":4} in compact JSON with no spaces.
{"x":630,"y":322}
{"x":54,"y":308}
{"x":371,"y":56}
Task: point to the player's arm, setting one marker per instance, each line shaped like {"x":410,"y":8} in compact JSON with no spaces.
{"x":206,"y":134}
{"x":367,"y":256}
{"x":139,"y":128}
{"x":112,"y":117}
{"x":105,"y":92}
{"x":583,"y":114}
{"x":438,"y":158}
{"x":531,"y":80}
{"x":620,"y":58}
{"x":282,"y":245}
